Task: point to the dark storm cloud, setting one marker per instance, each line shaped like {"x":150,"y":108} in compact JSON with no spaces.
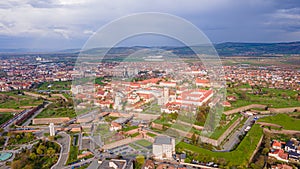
{"x":70,"y":21}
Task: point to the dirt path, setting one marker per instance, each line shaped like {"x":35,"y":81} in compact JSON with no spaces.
{"x":4,"y":110}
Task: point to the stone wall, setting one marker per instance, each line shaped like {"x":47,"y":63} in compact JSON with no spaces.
{"x":157,"y":126}
{"x":229,"y":130}
{"x":244,"y":108}
{"x":281,"y":131}
{"x":204,"y":139}
{"x":256,"y":149}
{"x":284,"y":110}
{"x":58,"y":120}
{"x":269,"y":124}
{"x":121,"y":142}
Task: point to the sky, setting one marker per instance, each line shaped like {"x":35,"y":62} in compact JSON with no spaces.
{"x":64,"y":24}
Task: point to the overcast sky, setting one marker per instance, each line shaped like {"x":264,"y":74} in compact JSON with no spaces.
{"x":58,"y":24}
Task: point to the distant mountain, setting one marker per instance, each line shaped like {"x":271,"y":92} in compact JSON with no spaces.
{"x":223,"y":49}
{"x":255,"y":49}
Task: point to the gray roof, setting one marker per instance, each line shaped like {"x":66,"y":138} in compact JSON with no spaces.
{"x":119,"y":163}
{"x":163,"y":140}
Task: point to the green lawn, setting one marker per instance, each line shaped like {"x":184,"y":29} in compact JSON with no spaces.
{"x":152,"y":109}
{"x":128,"y":128}
{"x":143,"y":143}
{"x":66,"y":85}
{"x":274,"y":98}
{"x":5,"y":117}
{"x":58,"y":112}
{"x":15,"y":101}
{"x":215,"y":135}
{"x":237,"y":157}
{"x":73,"y":152}
{"x":221,"y":129}
{"x":151,"y":134}
{"x":135,"y":146}
{"x":58,"y":109}
{"x":284,"y":120}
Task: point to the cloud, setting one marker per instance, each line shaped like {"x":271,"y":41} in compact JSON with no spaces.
{"x":221,"y":20}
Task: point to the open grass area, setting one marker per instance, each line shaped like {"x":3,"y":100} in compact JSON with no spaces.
{"x":284,"y":120}
{"x":144,"y":143}
{"x":152,"y":109}
{"x":165,"y":120}
{"x":58,"y":112}
{"x":128,"y":128}
{"x":5,"y":117}
{"x":15,"y":100}
{"x":273,"y":98}
{"x":58,"y":108}
{"x":73,"y":152}
{"x":237,"y":157}
{"x":151,"y":134}
{"x":59,"y":85}
{"x":135,"y":146}
{"x":221,"y":129}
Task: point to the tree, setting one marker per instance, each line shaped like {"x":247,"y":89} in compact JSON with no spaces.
{"x":41,"y":149}
{"x":140,"y":159}
{"x":194,"y":138}
{"x":29,"y":136}
{"x":33,"y":156}
{"x":50,"y":152}
{"x":16,"y":164}
{"x":202,"y":112}
{"x":244,"y":96}
{"x":265,"y":151}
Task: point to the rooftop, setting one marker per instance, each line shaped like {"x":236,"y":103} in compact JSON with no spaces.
{"x":163,"y":140}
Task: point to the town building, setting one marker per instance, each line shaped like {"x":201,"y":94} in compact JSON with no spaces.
{"x":116,"y":164}
{"x":163,"y":147}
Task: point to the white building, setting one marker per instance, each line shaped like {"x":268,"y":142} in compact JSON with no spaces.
{"x":163,"y":147}
{"x":52,"y":130}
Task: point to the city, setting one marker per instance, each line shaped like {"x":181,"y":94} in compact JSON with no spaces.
{"x":143,"y":114}
{"x":94,"y":84}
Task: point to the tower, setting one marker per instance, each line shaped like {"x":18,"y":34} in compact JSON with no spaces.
{"x":166,"y":95}
{"x":52,"y":130}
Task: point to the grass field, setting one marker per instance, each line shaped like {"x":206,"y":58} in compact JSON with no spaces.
{"x":221,"y":129}
{"x":275,"y":98}
{"x":135,"y":146}
{"x":59,"y":85}
{"x":284,"y":120}
{"x":14,"y":100}
{"x":151,"y":134}
{"x":144,"y":143}
{"x":4,"y":117}
{"x":237,"y":157}
{"x":58,"y":109}
{"x":73,"y":152}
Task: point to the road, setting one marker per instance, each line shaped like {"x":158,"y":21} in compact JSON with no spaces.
{"x":7,"y":124}
{"x":234,"y":138}
{"x":28,"y":121}
{"x":64,"y":142}
{"x":90,"y":160}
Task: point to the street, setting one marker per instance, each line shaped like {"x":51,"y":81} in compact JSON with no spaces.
{"x":65,"y":142}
